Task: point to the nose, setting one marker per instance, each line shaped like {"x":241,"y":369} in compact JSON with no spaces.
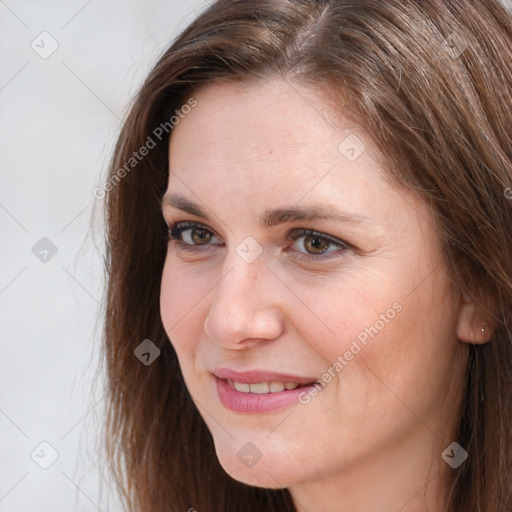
{"x":244,"y":307}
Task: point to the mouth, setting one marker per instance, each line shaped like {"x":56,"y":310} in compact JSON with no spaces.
{"x":259,"y":392}
{"x":263,"y":388}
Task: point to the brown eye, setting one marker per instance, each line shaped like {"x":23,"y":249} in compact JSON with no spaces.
{"x":191,"y":234}
{"x":315,"y":244}
{"x":200,"y":236}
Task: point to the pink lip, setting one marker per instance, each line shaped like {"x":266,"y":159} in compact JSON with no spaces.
{"x":257,"y":403}
{"x":255,"y":376}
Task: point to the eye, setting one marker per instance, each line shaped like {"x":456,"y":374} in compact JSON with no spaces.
{"x":192,"y":234}
{"x":315,"y":245}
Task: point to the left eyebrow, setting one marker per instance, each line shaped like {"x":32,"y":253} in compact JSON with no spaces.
{"x":273,"y":217}
{"x":314,"y":212}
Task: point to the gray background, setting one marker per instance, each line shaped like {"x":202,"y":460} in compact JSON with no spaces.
{"x":60,"y":116}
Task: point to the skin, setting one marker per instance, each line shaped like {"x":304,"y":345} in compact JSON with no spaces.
{"x":373,"y":436}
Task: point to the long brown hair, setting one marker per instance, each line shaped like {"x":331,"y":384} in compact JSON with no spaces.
{"x":430,"y":82}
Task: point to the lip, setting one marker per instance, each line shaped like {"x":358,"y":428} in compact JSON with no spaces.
{"x":258,"y":403}
{"x":255,"y":376}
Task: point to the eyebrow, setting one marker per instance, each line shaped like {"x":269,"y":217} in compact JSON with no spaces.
{"x":275,"y":216}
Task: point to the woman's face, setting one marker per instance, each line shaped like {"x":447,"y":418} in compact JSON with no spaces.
{"x":300,"y":262}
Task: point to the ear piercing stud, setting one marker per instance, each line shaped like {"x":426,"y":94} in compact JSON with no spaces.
{"x":482,"y":330}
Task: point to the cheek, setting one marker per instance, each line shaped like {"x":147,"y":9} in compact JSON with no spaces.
{"x":346,"y":312}
{"x":180,"y":306}
{"x":374,"y":335}
{"x":396,"y":351}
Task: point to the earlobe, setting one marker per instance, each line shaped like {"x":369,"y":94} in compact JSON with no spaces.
{"x":473,"y":325}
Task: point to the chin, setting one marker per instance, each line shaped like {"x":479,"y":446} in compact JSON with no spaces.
{"x":250,"y":466}
{"x":257,"y":476}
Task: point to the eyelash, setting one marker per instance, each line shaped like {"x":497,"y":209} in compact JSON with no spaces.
{"x":176,"y":229}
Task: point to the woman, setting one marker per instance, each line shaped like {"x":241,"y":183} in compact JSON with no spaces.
{"x":309,"y":262}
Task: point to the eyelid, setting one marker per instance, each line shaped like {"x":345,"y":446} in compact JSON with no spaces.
{"x":298,"y":232}
{"x":189,"y":223}
{"x":186,"y":224}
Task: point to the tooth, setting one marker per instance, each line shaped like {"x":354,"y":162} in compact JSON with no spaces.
{"x":291,"y":385}
{"x":276,"y":387}
{"x":260,"y":388}
{"x":242,"y":386}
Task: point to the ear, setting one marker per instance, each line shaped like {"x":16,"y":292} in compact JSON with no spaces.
{"x":475,"y":323}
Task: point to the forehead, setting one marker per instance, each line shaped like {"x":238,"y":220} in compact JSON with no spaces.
{"x":273,"y":140}
{"x":234,"y":119}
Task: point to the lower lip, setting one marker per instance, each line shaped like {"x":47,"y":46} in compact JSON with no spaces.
{"x":252,"y":402}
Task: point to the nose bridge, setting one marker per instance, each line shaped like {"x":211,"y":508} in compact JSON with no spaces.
{"x":238,"y":283}
{"x":240,"y":306}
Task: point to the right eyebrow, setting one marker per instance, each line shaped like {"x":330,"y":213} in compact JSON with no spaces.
{"x":182,"y":203}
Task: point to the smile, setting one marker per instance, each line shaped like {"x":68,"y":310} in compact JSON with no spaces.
{"x":258,"y":395}
{"x":261,"y":388}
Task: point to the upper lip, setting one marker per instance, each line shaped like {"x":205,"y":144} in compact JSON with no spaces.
{"x":257,"y":376}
